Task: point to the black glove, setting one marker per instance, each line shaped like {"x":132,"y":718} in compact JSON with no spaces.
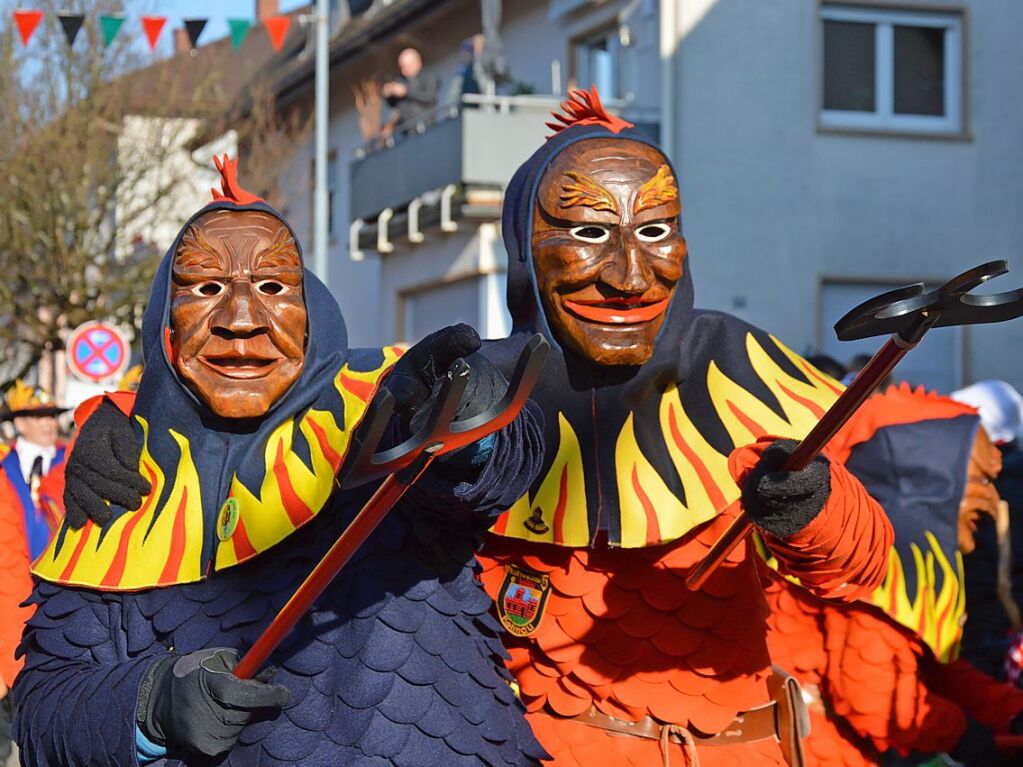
{"x":103,"y":466}
{"x":195,"y":707}
{"x":784,"y":502}
{"x":417,"y":379}
{"x":977,"y":746}
{"x":413,"y":379}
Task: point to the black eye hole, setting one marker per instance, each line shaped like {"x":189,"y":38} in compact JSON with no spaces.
{"x":590,"y":233}
{"x":270,"y":287}
{"x":653,"y":232}
{"x":208,"y":289}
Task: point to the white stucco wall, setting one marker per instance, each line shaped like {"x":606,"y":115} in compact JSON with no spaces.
{"x":772,"y":205}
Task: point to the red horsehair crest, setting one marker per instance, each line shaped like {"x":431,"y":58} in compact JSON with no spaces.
{"x":232,"y":190}
{"x":584,"y":108}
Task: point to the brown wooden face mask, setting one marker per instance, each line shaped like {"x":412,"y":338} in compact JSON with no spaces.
{"x":607,"y":250}
{"x":980,"y":495}
{"x":238,"y":315}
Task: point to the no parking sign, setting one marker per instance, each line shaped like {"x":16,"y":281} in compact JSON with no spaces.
{"x":97,"y":352}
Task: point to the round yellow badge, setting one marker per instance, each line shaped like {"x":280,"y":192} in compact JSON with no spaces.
{"x":228,"y":519}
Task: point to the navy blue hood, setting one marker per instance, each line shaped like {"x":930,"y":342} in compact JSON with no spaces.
{"x":222,"y":447}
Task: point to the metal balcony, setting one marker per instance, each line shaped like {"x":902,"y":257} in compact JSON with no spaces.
{"x":480,"y":142}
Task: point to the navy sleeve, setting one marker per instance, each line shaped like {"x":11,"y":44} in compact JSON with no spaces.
{"x":514,"y":460}
{"x":85,"y":655}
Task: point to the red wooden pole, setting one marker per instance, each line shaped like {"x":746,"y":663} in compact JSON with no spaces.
{"x":366,"y":521}
{"x":872,"y":374}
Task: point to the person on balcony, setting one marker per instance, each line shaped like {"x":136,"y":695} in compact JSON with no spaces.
{"x":412,"y":95}
{"x":657,"y":416}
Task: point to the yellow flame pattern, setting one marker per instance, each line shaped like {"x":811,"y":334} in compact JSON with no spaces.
{"x":560,"y":500}
{"x":144,"y":549}
{"x":937,"y":609}
{"x":650,"y":512}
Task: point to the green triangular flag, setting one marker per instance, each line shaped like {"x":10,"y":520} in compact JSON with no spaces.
{"x":110,"y":25}
{"x":239,"y":28}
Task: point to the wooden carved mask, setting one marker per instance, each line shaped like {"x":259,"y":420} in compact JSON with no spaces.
{"x":607,"y":250}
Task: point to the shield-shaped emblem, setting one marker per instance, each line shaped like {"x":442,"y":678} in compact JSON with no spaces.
{"x":522,"y":600}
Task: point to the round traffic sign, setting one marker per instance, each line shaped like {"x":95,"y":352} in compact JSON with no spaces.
{"x":97,"y":352}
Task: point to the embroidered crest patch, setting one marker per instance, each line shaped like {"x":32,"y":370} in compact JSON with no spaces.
{"x":523,"y":597}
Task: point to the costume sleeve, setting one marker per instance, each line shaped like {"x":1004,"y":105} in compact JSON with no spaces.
{"x":85,"y":656}
{"x":992,"y":703}
{"x":843,"y":552}
{"x":15,"y":581}
{"x":874,"y":682}
{"x":514,"y":460}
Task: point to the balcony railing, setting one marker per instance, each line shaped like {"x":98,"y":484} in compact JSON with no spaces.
{"x":479,"y":142}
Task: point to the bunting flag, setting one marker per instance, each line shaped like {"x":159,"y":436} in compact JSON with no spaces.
{"x":71,"y":23}
{"x":239,"y":28}
{"x":153,"y":26}
{"x":27,"y":22}
{"x":110,"y":25}
{"x":194,"y":28}
{"x":277,"y":28}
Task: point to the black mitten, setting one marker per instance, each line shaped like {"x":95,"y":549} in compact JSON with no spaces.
{"x":784,"y":502}
{"x":196,"y":708}
{"x":416,"y":382}
{"x":484,"y":389}
{"x":413,"y":378}
{"x":103,"y":466}
{"x":977,"y":746}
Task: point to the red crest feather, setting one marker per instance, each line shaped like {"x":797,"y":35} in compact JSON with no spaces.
{"x":584,"y":108}
{"x":232,"y":190}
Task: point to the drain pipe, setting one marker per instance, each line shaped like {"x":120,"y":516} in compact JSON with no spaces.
{"x":668,"y":51}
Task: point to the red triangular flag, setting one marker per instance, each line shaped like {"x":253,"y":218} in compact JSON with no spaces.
{"x":153,"y":26}
{"x":277,"y":28}
{"x":27,"y":22}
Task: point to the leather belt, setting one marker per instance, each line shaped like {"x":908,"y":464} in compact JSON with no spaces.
{"x":755,"y":724}
{"x":784,"y":720}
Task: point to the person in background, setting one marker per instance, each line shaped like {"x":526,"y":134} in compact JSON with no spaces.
{"x":828,"y":365}
{"x":994,"y":582}
{"x":883,"y":676}
{"x":26,"y":523}
{"x":469,"y":77}
{"x":856,"y":364}
{"x":413,"y":93}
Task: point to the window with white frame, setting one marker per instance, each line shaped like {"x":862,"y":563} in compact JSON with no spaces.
{"x":897,"y":70}
{"x":598,"y":62}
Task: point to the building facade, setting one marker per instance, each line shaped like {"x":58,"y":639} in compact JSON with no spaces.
{"x":827,"y":152}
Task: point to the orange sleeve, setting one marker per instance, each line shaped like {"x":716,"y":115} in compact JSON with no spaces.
{"x":122,"y":400}
{"x":15,"y":581}
{"x":843,"y":552}
{"x":992,"y":703}
{"x":874,"y":682}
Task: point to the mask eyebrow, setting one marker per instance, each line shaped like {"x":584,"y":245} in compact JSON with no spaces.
{"x":196,"y":252}
{"x":658,"y":190}
{"x":280,"y":254}
{"x":586,"y":192}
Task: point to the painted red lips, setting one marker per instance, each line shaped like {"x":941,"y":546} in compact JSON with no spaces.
{"x":618,"y":311}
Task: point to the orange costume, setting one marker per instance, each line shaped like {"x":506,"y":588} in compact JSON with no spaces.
{"x":27,"y":518}
{"x":617,"y":662}
{"x":883,"y":672}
